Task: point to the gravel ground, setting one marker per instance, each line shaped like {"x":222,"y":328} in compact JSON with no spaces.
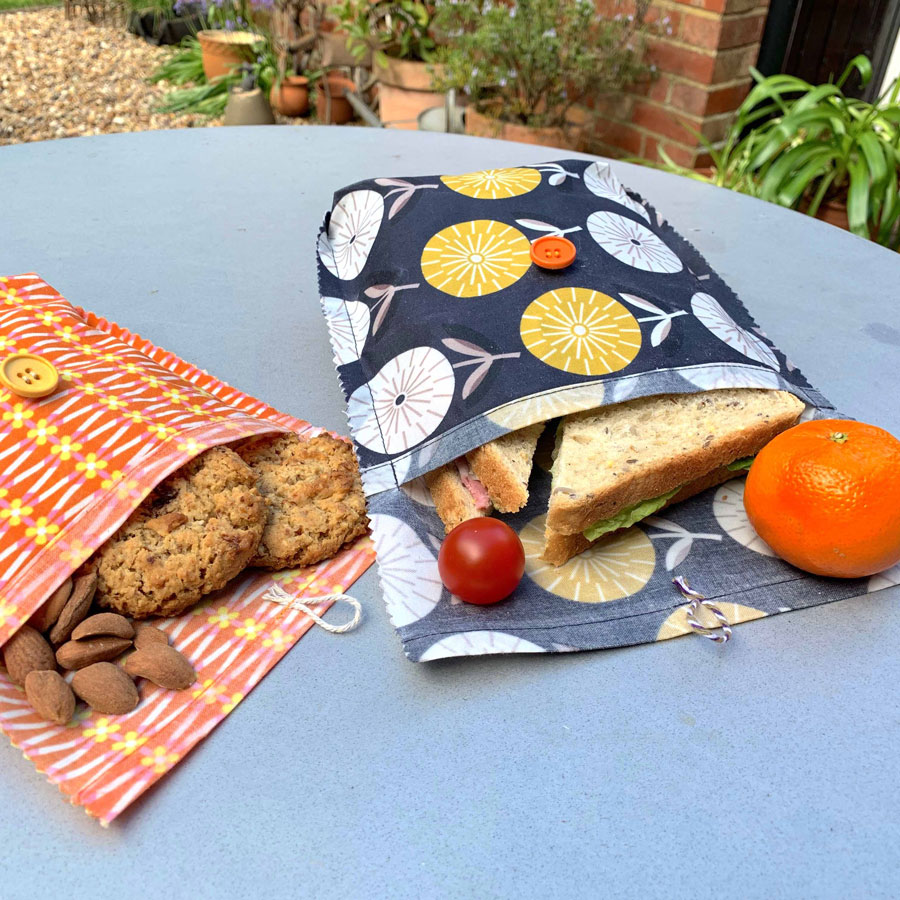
{"x":64,"y":78}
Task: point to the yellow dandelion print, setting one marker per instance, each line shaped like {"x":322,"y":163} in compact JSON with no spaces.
{"x":677,"y":624}
{"x":130,"y":742}
{"x":91,"y":465}
{"x":250,"y":630}
{"x":223,"y":617}
{"x":102,"y":730}
{"x":549,"y":405}
{"x":615,"y":567}
{"x":232,"y":703}
{"x":160,"y":760}
{"x":476,"y":258}
{"x":580,"y":331}
{"x":65,"y":448}
{"x":41,"y":531}
{"x":494,"y":184}
{"x":41,"y":432}
{"x":16,"y":511}
{"x":18,"y":416}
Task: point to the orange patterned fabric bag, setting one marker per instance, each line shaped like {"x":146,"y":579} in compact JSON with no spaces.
{"x":73,"y":466}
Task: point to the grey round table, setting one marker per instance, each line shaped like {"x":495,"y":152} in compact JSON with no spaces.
{"x":767,"y":768}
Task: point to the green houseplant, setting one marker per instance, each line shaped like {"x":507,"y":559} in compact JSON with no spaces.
{"x":398,"y":33}
{"x":812,"y":148}
{"x":524,"y":65}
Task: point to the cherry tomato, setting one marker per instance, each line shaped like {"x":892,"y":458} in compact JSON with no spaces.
{"x":481,"y":561}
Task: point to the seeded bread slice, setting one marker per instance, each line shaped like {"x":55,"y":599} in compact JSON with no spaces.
{"x":504,"y":466}
{"x":560,"y":548}
{"x":613,"y":457}
{"x":453,"y":502}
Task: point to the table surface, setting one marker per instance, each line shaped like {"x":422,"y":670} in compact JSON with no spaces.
{"x":765,"y":768}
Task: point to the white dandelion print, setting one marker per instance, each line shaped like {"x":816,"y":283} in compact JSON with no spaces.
{"x":408,"y":570}
{"x":600,"y":181}
{"x":348,"y":325}
{"x":404,"y":403}
{"x":352,"y":230}
{"x":709,"y":311}
{"x":728,"y":508}
{"x":632,"y":243}
{"x":713,"y":378}
{"x":478,"y":643}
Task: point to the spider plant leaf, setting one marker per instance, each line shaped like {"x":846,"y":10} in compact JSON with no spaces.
{"x":858,"y":197}
{"x":875,"y":161}
{"x":817,"y":164}
{"x":862,"y":65}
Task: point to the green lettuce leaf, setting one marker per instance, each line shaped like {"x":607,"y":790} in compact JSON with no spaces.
{"x":740,"y":464}
{"x":630,"y":515}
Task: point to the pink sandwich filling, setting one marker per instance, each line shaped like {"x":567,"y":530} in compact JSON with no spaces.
{"x":473,"y":485}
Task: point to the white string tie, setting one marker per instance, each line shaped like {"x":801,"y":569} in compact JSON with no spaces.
{"x":278,"y":595}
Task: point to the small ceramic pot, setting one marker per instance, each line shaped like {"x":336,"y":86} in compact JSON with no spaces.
{"x":291,"y":97}
{"x":338,"y":111}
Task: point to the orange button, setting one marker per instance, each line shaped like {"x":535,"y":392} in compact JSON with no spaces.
{"x":553,"y":252}
{"x":28,"y":375}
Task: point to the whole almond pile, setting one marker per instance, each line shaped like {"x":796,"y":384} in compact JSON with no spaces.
{"x":64,"y":635}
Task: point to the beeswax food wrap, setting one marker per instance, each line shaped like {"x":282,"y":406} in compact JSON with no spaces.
{"x":73,"y":466}
{"x":446,"y":336}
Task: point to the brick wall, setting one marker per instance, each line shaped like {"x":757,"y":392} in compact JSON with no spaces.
{"x":703,"y":53}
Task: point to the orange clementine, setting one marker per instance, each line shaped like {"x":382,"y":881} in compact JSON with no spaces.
{"x":825,"y":496}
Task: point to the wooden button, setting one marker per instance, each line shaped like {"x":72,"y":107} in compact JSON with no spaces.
{"x":28,"y":375}
{"x":553,"y":252}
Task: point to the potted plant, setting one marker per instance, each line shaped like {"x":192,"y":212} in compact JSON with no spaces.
{"x":332,"y":107}
{"x":525,"y":65}
{"x":397,"y":33}
{"x":810,"y":147}
{"x":289,"y":95}
{"x":227,"y":41}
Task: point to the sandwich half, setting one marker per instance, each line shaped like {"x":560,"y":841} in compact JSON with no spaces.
{"x":491,"y":477}
{"x":618,"y":464}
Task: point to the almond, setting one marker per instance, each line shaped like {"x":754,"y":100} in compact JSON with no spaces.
{"x":144,"y":635}
{"x":163,"y":665}
{"x":45,"y":618}
{"x":50,"y":696}
{"x":75,"y":610}
{"x":104,"y":624}
{"x":27,"y":651}
{"x":167,"y":523}
{"x":78,"y":654}
{"x":106,"y":689}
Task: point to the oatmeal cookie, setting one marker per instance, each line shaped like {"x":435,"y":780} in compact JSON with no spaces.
{"x":313,"y":494}
{"x":195,"y":532}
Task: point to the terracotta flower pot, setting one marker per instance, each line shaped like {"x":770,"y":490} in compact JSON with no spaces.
{"x":340,"y":110}
{"x":834,"y":212}
{"x":291,"y":98}
{"x":479,"y":125}
{"x":404,"y":92}
{"x":223,"y":50}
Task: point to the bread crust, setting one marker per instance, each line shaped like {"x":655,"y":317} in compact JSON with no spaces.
{"x":570,"y":514}
{"x":508,"y":494}
{"x":454,"y":504}
{"x":559,"y":548}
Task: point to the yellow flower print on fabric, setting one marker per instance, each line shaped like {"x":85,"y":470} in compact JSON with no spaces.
{"x":615,"y":567}
{"x":160,"y":759}
{"x":7,"y":344}
{"x":114,"y":403}
{"x":475,"y":258}
{"x":278,"y":640}
{"x":76,"y":553}
{"x":15,"y":512}
{"x":18,"y":416}
{"x":130,"y":742}
{"x":41,"y":432}
{"x":250,"y":630}
{"x":102,"y":730}
{"x":494,"y":184}
{"x":116,"y":480}
{"x":580,"y":331}
{"x":91,"y":465}
{"x":210,"y":691}
{"x":223,"y":617}
{"x":191,"y":447}
{"x":7,"y":612}
{"x":48,"y":318}
{"x":160,"y":431}
{"x":41,"y":531}
{"x":65,"y":448}
{"x":232,"y":703}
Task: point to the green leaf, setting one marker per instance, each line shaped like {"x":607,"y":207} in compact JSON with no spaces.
{"x":862,"y":65}
{"x":858,"y":198}
{"x":627,"y":517}
{"x":740,"y":465}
